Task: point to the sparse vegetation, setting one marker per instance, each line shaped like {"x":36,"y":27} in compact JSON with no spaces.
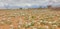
{"x":38,"y":19}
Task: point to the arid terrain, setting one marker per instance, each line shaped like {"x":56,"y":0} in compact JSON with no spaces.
{"x":29,"y":19}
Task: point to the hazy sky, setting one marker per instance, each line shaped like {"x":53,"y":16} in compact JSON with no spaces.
{"x":27,"y":3}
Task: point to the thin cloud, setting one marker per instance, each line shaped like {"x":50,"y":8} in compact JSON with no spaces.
{"x":28,"y":3}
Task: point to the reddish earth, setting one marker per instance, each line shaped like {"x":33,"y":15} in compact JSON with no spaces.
{"x":29,"y":19}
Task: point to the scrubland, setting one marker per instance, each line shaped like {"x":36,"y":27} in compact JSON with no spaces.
{"x":29,"y":19}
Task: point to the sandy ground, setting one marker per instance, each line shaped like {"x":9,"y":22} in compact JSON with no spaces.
{"x":29,"y":19}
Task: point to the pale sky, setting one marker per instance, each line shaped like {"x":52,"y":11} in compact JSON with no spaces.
{"x":27,"y":3}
